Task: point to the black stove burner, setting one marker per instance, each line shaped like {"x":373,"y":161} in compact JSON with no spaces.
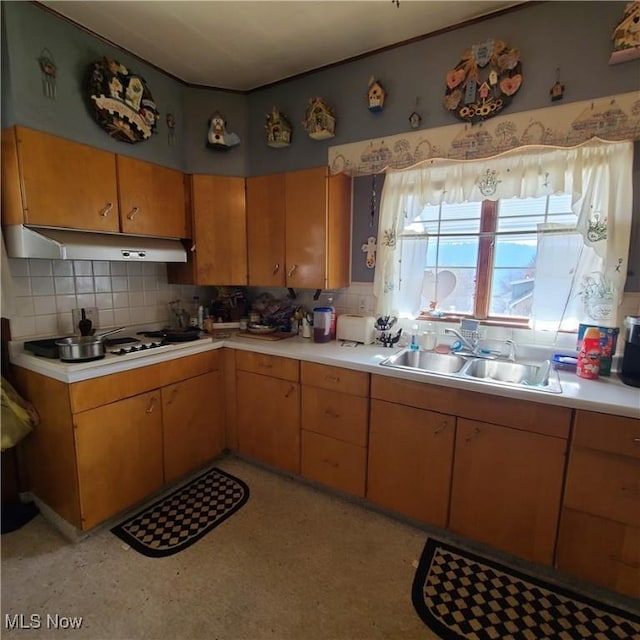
{"x":137,"y":348}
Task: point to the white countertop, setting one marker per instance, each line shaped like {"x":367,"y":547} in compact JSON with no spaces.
{"x":607,"y":394}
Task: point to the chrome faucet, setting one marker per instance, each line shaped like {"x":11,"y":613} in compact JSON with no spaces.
{"x":513,"y":356}
{"x":472,"y":347}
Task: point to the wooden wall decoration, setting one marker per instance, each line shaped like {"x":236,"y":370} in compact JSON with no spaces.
{"x":626,"y":36}
{"x":121,"y":102}
{"x":484,"y":82}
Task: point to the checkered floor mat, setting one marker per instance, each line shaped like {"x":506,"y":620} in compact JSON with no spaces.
{"x":183,"y":517}
{"x":462,"y":596}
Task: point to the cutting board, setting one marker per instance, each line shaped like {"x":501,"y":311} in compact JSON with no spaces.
{"x":276,"y":335}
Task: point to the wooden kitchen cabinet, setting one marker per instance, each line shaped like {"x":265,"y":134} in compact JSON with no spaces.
{"x":107,"y":442}
{"x":119,"y":455}
{"x":299,"y":229}
{"x":268,"y":409}
{"x":317,"y":229}
{"x":411,"y":461}
{"x":599,"y":538}
{"x":265,"y":231}
{"x":218,"y":254}
{"x":152,"y":199}
{"x":507,"y":488}
{"x":47,"y":180}
{"x":335,"y":412}
{"x":193,"y":429}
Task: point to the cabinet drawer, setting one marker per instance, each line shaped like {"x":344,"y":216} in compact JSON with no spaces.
{"x":274,"y":366}
{"x":106,"y":389}
{"x":601,"y":551}
{"x":335,"y":414}
{"x":335,"y":378}
{"x":605,"y":485}
{"x":615,"y":434}
{"x":338,"y":464}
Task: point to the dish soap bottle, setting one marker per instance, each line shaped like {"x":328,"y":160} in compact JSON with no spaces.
{"x":589,"y":357}
{"x":413,"y":341}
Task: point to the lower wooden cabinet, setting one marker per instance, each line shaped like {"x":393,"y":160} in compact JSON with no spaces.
{"x":193,"y":423}
{"x":410,"y":461}
{"x":507,"y":488}
{"x":268,"y":419}
{"x":599,"y":538}
{"x":119,"y":455}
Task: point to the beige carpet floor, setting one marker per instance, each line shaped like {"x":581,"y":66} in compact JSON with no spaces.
{"x":294,"y":563}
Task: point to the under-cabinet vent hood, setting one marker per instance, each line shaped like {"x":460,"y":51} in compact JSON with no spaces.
{"x":66,"y":244}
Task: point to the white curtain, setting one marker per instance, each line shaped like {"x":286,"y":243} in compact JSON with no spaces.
{"x":597,"y":174}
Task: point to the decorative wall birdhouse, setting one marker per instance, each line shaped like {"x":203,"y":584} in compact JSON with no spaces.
{"x":375,"y":95}
{"x":319,"y":122}
{"x":415,"y":119}
{"x":218,"y":137}
{"x":626,"y":36}
{"x":278,"y":129}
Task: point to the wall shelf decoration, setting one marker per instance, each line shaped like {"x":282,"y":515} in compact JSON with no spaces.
{"x":626,"y":36}
{"x":375,"y":95}
{"x":49,"y":70}
{"x":319,"y":122}
{"x":278,"y":129}
{"x":121,"y":102}
{"x":484,"y":82}
{"x":557,"y":90}
{"x":218,"y":137}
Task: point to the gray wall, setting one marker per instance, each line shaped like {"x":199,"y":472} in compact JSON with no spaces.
{"x":574,"y":36}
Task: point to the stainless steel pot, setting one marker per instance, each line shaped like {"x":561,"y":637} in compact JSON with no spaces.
{"x":83,"y":348}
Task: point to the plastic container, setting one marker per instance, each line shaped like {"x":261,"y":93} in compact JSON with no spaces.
{"x":334,"y":319}
{"x":322,"y":324}
{"x":588,"y":365}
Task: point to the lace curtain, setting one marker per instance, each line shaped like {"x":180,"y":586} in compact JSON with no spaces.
{"x":597,"y":174}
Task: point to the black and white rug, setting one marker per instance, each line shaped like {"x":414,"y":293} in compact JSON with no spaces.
{"x":183,"y":517}
{"x":462,"y":596}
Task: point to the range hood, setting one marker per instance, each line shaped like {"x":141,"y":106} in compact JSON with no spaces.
{"x":22,"y":241}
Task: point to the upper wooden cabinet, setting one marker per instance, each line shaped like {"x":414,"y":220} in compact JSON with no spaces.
{"x":265,"y":231}
{"x":50,"y":181}
{"x":299,"y":229}
{"x":152,"y":199}
{"x":47,"y":180}
{"x":218,"y":253}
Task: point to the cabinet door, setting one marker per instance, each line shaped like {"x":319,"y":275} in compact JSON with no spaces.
{"x":410,"y":461}
{"x":152,"y":199}
{"x":220,"y":230}
{"x":66,"y":184}
{"x":268,"y":414}
{"x":265,"y":230}
{"x":193,"y":423}
{"x":306,"y":228}
{"x":119,"y":453}
{"x":506,"y":488}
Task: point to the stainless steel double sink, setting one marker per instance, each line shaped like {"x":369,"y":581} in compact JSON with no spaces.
{"x":534,"y":375}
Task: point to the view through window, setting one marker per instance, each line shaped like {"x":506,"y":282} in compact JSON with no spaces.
{"x":481,"y":256}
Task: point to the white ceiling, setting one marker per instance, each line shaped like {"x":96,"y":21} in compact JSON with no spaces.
{"x":246,"y":44}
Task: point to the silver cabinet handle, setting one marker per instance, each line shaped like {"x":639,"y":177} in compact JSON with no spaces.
{"x":636,"y":441}
{"x":151,"y":406}
{"x":290,"y":272}
{"x":193,"y":247}
{"x":105,"y":212}
{"x":276,"y":268}
{"x":133,"y":213}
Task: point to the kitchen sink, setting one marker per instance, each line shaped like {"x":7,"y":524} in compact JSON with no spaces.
{"x":425,"y":361}
{"x":534,"y":375}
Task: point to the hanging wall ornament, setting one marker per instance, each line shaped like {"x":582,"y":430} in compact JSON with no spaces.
{"x":370,"y":247}
{"x":218,"y":137}
{"x":121,"y":102}
{"x":48,"y":70}
{"x":375,"y":95}
{"x":557,"y":90}
{"x":626,"y":36}
{"x":319,"y":122}
{"x":278,"y":129}
{"x":483,"y":82}
{"x":171,"y":130}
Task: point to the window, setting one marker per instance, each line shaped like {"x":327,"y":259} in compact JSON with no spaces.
{"x":481,"y":256}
